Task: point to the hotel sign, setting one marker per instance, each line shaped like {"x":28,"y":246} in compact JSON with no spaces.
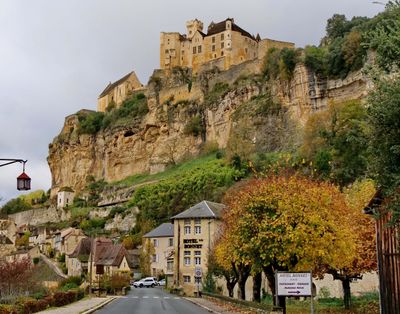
{"x":293,"y":284}
{"x":192,"y":243}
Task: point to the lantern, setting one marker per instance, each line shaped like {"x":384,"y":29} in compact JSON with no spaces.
{"x":23,"y":182}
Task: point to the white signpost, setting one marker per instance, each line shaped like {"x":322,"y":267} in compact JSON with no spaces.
{"x":294,"y":285}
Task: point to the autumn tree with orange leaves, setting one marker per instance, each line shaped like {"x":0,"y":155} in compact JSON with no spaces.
{"x":285,"y":224}
{"x":363,"y":228}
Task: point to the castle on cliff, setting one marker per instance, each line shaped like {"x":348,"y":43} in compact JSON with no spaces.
{"x":224,"y":45}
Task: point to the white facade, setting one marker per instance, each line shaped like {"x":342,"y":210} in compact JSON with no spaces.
{"x":65,"y":199}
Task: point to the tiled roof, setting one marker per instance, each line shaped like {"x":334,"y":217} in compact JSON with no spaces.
{"x":221,"y":26}
{"x":66,"y":189}
{"x":113,"y":85}
{"x":82,"y":249}
{"x":163,"y":230}
{"x":204,"y":209}
{"x":110,"y":255}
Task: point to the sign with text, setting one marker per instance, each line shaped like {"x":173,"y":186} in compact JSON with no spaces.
{"x":293,"y":284}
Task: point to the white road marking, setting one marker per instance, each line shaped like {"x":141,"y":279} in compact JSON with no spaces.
{"x":145,"y":297}
{"x":166,"y":297}
{"x":135,"y":297}
{"x":176,"y":298}
{"x":155,"y":297}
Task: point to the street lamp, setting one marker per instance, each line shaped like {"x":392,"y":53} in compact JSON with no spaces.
{"x":23,"y":180}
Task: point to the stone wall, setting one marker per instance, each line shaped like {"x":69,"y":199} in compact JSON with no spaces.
{"x":40,"y":216}
{"x":369,"y":283}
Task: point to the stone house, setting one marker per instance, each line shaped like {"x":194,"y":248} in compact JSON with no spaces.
{"x":8,"y":228}
{"x":225,"y":44}
{"x":162,"y":240}
{"x":115,"y":93}
{"x":70,"y":239}
{"x":195,"y":230}
{"x":20,"y":254}
{"x":77,"y":260}
{"x":65,"y":197}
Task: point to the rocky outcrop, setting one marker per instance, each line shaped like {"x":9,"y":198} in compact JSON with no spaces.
{"x":161,"y":137}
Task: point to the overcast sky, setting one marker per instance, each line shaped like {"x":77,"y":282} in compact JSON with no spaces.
{"x":57,"y":56}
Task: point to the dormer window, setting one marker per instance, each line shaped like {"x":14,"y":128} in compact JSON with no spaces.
{"x":222,"y":36}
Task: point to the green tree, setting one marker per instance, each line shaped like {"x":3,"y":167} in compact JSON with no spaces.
{"x":336,"y":141}
{"x":384,"y":120}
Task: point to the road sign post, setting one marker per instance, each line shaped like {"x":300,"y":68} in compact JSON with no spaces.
{"x":197,"y":276}
{"x":297,"y":284}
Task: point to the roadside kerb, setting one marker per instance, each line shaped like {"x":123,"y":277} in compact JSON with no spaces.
{"x":192,"y":300}
{"x":98,"y":306}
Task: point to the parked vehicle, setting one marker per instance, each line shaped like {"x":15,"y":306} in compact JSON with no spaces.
{"x":161,"y":282}
{"x":145,"y":282}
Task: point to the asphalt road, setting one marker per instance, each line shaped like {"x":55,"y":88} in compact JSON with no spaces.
{"x":149,"y":301}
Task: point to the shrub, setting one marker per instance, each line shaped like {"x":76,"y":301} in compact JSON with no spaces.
{"x":64,"y":298}
{"x":194,"y":127}
{"x":77,"y":280}
{"x":315,"y":59}
{"x":90,"y":123}
{"x":61,"y":258}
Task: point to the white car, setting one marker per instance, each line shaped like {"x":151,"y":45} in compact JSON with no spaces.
{"x":145,"y":282}
{"x":161,"y":282}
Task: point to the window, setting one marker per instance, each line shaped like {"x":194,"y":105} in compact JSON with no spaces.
{"x":187,"y":221}
{"x":187,"y":261}
{"x":186,"y":278}
{"x":171,"y":242}
{"x":199,"y":49}
{"x":197,"y":260}
{"x":170,"y":265}
{"x":186,"y":253}
{"x":245,"y":49}
{"x":222,"y":36}
{"x":197,"y":221}
{"x":222,"y":53}
{"x":213,"y":47}
{"x":222,"y":45}
{"x":197,"y":253}
{"x":154,"y":258}
{"x":183,"y":52}
{"x":155,"y":242}
{"x":194,"y":50}
{"x":197,"y":229}
{"x":213,"y":39}
{"x":166,"y":51}
{"x":187,"y":230}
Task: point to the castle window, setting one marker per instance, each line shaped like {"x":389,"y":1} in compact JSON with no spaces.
{"x":228,"y":44}
{"x":215,"y":55}
{"x":199,"y":49}
{"x":213,"y":39}
{"x":222,"y":36}
{"x":213,"y":47}
{"x":183,"y":52}
{"x":166,"y":51}
{"x":194,"y":50}
{"x":245,"y":49}
{"x":222,"y":45}
{"x":222,"y":53}
{"x":186,"y":279}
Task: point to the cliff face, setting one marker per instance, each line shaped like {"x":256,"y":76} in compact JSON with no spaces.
{"x":231,"y":105}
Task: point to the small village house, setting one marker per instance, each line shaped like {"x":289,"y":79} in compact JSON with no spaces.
{"x":161,"y":239}
{"x":65,"y":197}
